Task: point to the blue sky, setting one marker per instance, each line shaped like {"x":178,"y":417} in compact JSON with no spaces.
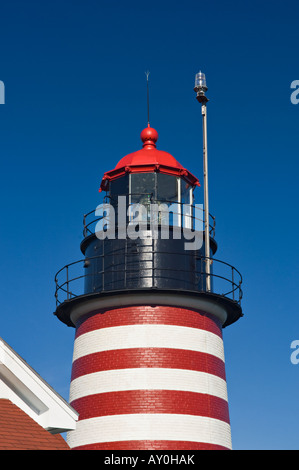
{"x":76,"y":103}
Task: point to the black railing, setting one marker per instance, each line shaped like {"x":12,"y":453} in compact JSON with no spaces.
{"x":192,"y":216}
{"x":226,"y":280}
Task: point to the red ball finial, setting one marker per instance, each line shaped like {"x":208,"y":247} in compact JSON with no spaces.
{"x":149,"y":136}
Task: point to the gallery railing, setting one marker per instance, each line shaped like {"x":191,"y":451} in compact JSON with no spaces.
{"x":181,"y":214}
{"x":72,"y":279}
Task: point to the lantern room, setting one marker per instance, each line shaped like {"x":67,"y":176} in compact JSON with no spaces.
{"x":151,"y":176}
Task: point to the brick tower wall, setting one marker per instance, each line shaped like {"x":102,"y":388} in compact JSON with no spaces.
{"x":149,"y":377}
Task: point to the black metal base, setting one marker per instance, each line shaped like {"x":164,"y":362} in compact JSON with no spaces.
{"x":233,"y":309}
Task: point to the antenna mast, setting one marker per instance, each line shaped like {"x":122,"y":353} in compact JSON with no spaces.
{"x":147,"y":86}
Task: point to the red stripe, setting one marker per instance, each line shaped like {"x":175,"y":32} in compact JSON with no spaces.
{"x":160,"y":315}
{"x":151,"y":401}
{"x":148,"y":357}
{"x":151,"y":445}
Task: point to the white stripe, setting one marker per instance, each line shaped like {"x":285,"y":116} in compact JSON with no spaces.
{"x":150,"y":427}
{"x":147,"y":379}
{"x":148,"y":336}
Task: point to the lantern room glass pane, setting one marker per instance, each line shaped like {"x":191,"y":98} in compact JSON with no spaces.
{"x":185,"y":192}
{"x":168,"y":195}
{"x":119,"y":187}
{"x":167,"y":188}
{"x":186,"y":198}
{"x":142,"y":189}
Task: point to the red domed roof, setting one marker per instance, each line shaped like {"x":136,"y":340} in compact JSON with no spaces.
{"x":149,"y":155}
{"x":148,"y":159}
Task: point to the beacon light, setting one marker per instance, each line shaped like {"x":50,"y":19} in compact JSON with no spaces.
{"x":200,"y":81}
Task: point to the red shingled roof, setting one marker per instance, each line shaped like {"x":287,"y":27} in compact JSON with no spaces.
{"x":20,"y":432}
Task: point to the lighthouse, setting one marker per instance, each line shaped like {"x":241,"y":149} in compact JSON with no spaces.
{"x":149,"y":301}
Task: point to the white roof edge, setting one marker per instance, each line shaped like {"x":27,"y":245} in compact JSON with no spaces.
{"x":32,"y":393}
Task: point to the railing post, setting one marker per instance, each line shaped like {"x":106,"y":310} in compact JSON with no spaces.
{"x":201,"y":275}
{"x":56,"y":294}
{"x":84,"y":225}
{"x":103,"y":266}
{"x":153,"y":265}
{"x":126,"y":255}
{"x":67,"y":282}
{"x":233,"y":283}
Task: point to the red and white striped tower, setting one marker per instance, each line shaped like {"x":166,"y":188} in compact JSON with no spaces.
{"x":148,"y":366}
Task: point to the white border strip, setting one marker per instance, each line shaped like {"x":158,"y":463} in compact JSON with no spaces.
{"x":148,"y":336}
{"x":142,"y":427}
{"x":147,"y":379}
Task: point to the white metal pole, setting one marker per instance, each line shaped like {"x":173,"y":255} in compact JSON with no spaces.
{"x":200,"y":89}
{"x":206,"y":195}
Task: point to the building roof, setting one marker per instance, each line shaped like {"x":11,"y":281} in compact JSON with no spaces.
{"x":20,"y":432}
{"x":148,"y":159}
{"x":29,"y":408}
